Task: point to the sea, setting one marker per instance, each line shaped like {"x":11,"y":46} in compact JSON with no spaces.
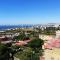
{"x":5,"y":27}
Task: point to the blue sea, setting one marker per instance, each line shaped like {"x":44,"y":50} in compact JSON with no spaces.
{"x":5,"y":27}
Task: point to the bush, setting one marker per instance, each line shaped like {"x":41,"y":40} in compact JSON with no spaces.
{"x":36,"y":43}
{"x":4,"y":54}
{"x":25,"y":54}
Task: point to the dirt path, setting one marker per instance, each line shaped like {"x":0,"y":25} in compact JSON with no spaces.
{"x":16,"y":58}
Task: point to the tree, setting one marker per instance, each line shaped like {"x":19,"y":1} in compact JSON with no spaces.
{"x":36,"y":45}
{"x":4,"y":54}
{"x":20,"y":37}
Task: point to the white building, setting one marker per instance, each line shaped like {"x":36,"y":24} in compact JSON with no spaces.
{"x":58,"y":34}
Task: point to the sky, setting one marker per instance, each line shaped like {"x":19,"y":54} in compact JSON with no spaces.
{"x":29,"y":11}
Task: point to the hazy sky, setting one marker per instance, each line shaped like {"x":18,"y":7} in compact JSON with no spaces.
{"x":29,"y":11}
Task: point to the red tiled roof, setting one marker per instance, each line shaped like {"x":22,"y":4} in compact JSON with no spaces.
{"x":21,"y":43}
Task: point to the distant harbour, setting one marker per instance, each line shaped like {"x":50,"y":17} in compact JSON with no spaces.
{"x":5,"y":27}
